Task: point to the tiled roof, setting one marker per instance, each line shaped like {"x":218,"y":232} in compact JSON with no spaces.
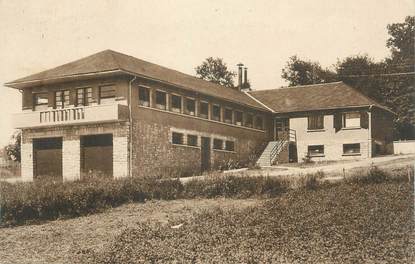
{"x":108,"y":60}
{"x":313,"y":97}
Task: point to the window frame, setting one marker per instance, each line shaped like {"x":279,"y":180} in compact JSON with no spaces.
{"x":40,"y":106}
{"x":213,"y":117}
{"x":64,"y":99}
{"x":142,"y":101}
{"x":173,"y":137}
{"x":352,"y":153}
{"x":195,"y":137}
{"x":202,"y":115}
{"x":317,"y":124}
{"x":344,"y":119}
{"x":251,"y":124}
{"x":87,"y":96}
{"x":107,"y":99}
{"x":236,"y":112}
{"x":215,"y":146}
{"x":173,"y":107}
{"x":227,"y":120}
{"x":161,"y":106}
{"x":186,"y":106}
{"x":227,"y":145}
{"x":315,"y":154}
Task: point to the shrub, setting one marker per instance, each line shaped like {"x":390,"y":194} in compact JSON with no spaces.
{"x":373,"y":175}
{"x":311,"y":181}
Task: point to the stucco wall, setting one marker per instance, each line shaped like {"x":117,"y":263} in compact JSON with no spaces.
{"x":404,"y":147}
{"x":333,"y":141}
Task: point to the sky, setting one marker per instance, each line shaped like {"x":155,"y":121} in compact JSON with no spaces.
{"x":180,"y":34}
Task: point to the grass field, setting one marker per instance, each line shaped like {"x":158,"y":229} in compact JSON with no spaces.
{"x":341,"y":223}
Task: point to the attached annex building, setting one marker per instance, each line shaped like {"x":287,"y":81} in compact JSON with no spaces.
{"x":117,"y":115}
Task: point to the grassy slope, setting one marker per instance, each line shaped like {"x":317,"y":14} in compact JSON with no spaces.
{"x":340,"y":224}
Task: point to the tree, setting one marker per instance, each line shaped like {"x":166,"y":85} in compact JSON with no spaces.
{"x":216,"y":71}
{"x":12,"y":150}
{"x":302,"y":72}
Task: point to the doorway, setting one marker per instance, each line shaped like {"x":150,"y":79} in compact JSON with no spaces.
{"x":282,"y":126}
{"x":47,"y":157}
{"x":96,"y":155}
{"x":205,"y":154}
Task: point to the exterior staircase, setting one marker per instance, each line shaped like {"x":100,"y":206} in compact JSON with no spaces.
{"x":271,"y":152}
{"x":274,"y":148}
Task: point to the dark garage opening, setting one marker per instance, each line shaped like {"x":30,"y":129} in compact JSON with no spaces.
{"x":47,"y":158}
{"x":96,"y":156}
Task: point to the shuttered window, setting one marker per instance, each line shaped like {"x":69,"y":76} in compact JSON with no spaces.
{"x":41,"y":101}
{"x":106,"y":94}
{"x":351,"y":119}
{"x":83,"y":96}
{"x":61,"y":99}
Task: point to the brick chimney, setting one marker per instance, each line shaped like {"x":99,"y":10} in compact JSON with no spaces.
{"x":240,"y":65}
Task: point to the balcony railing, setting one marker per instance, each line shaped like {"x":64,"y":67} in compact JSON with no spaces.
{"x":73,"y":115}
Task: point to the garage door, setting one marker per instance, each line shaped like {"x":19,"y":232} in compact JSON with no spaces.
{"x":47,"y":157}
{"x":96,"y":155}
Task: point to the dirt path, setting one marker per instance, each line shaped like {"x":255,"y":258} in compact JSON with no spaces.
{"x":56,"y":241}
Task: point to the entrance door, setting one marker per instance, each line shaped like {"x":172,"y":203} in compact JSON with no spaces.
{"x":96,"y":155}
{"x":205,"y":154}
{"x":47,"y":157}
{"x":281,"y":128}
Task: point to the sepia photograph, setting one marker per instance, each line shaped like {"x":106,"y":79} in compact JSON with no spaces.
{"x":188,"y":131}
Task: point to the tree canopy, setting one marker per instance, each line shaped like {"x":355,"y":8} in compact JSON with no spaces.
{"x":390,"y":81}
{"x":216,"y":71}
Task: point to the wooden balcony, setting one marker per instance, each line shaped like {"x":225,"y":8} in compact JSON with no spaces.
{"x":73,"y":115}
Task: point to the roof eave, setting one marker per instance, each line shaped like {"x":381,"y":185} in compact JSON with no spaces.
{"x":24,"y":84}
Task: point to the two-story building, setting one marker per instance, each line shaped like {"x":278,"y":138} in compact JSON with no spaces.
{"x":115,"y":115}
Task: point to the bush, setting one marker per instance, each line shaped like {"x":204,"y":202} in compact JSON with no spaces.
{"x":373,"y":176}
{"x":234,"y":186}
{"x":311,"y":181}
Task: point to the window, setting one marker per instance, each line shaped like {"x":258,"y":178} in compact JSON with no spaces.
{"x":351,"y":119}
{"x":217,"y":143}
{"x":229,"y":145}
{"x":350,"y":149}
{"x":228,"y":115}
{"x":238,"y":118}
{"x":62,"y":99}
{"x":248,"y":120}
{"x":192,"y":140}
{"x":143,"y":96}
{"x":259,"y":123}
{"x":216,"y":112}
{"x":161,"y":100}
{"x":176,"y":103}
{"x":204,"y":110}
{"x":315,"y":122}
{"x":83,"y":96}
{"x":190,"y":106}
{"x":177,"y":138}
{"x":41,"y":101}
{"x":106,"y":94}
{"x":316,"y":151}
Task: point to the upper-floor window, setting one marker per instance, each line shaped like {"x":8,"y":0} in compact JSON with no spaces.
{"x":106,"y":94}
{"x":204,"y":109}
{"x":351,"y":119}
{"x":216,"y":112}
{"x":62,"y":99}
{"x":190,"y":106}
{"x":161,"y":100}
{"x":248,"y":120}
{"x":40,"y":101}
{"x":143,"y":96}
{"x":176,"y":103}
{"x":227,"y":116}
{"x":315,"y":122}
{"x":83,"y":96}
{"x":259,"y":122}
{"x":238,"y":118}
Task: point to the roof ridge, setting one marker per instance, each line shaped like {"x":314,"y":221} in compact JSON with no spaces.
{"x":111,"y":52}
{"x":299,"y":86}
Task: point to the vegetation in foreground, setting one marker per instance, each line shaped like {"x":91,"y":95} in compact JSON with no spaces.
{"x":343,"y":223}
